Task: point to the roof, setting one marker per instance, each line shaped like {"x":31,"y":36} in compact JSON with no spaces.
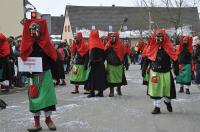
{"x":84,"y":17}
{"x":57,"y":23}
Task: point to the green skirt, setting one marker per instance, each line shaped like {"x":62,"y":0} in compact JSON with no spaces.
{"x":46,"y":92}
{"x":81,"y":76}
{"x":115,"y":73}
{"x":159,"y":84}
{"x":184,"y":76}
{"x":146,"y":78}
{"x":129,"y":60}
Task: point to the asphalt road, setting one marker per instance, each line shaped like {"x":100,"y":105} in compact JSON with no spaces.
{"x":130,"y":112}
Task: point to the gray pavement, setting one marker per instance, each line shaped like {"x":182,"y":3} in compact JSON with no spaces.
{"x":128,"y":113}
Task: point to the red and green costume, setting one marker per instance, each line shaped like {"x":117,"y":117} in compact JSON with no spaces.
{"x":43,"y":48}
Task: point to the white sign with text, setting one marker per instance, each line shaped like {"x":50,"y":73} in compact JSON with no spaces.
{"x":32,"y":64}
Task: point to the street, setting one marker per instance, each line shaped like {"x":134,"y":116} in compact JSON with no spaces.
{"x":130,"y":112}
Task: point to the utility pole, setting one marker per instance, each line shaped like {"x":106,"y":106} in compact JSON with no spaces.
{"x":149,"y":13}
{"x":149,"y":20}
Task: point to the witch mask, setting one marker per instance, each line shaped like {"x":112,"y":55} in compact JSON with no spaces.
{"x":35,"y":31}
{"x":113,"y":39}
{"x":159,"y":38}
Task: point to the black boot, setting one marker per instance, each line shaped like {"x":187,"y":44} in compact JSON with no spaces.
{"x":57,"y":81}
{"x":169,"y":106}
{"x":100,"y":94}
{"x":187,"y":91}
{"x":92,"y":94}
{"x":119,"y":91}
{"x":87,"y":92}
{"x":63,"y":83}
{"x":76,"y":91}
{"x":111,"y":92}
{"x":156,"y":110}
{"x":181,"y":90}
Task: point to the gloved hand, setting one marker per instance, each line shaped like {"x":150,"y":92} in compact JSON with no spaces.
{"x":143,"y":73}
{"x":28,"y":74}
{"x":85,"y":67}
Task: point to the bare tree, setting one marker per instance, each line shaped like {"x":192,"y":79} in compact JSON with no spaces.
{"x":194,"y":3}
{"x":174,"y":11}
{"x":175,"y":18}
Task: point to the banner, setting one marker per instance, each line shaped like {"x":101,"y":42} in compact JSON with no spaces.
{"x":32,"y":64}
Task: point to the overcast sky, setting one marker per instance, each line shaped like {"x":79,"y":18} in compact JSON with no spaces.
{"x":57,"y":7}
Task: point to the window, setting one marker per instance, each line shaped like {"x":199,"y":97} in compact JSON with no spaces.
{"x":70,"y":41}
{"x":68,"y":28}
{"x":65,"y":28}
{"x":125,"y":28}
{"x":110,"y":28}
{"x":76,"y":29}
{"x":93,"y":26}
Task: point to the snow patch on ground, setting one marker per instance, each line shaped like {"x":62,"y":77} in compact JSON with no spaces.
{"x":86,"y":99}
{"x":136,"y":81}
{"x":187,"y":100}
{"x":13,"y":107}
{"x":134,"y":112}
{"x":63,"y":108}
{"x":75,"y":124}
{"x":23,"y":121}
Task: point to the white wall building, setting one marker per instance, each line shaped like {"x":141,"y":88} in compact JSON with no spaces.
{"x":11,"y":12}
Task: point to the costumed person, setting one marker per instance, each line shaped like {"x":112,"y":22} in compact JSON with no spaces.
{"x":184,"y":52}
{"x":141,"y":46}
{"x":104,"y":40}
{"x":36,"y":43}
{"x":97,"y":75}
{"x":144,"y":58}
{"x":196,"y":59}
{"x":127,"y":60}
{"x":4,"y":63}
{"x":115,"y":55}
{"x":161,"y":81}
{"x":80,"y":57}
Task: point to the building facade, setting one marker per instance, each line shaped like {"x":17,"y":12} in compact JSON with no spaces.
{"x":109,"y":19}
{"x":12,"y":13}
